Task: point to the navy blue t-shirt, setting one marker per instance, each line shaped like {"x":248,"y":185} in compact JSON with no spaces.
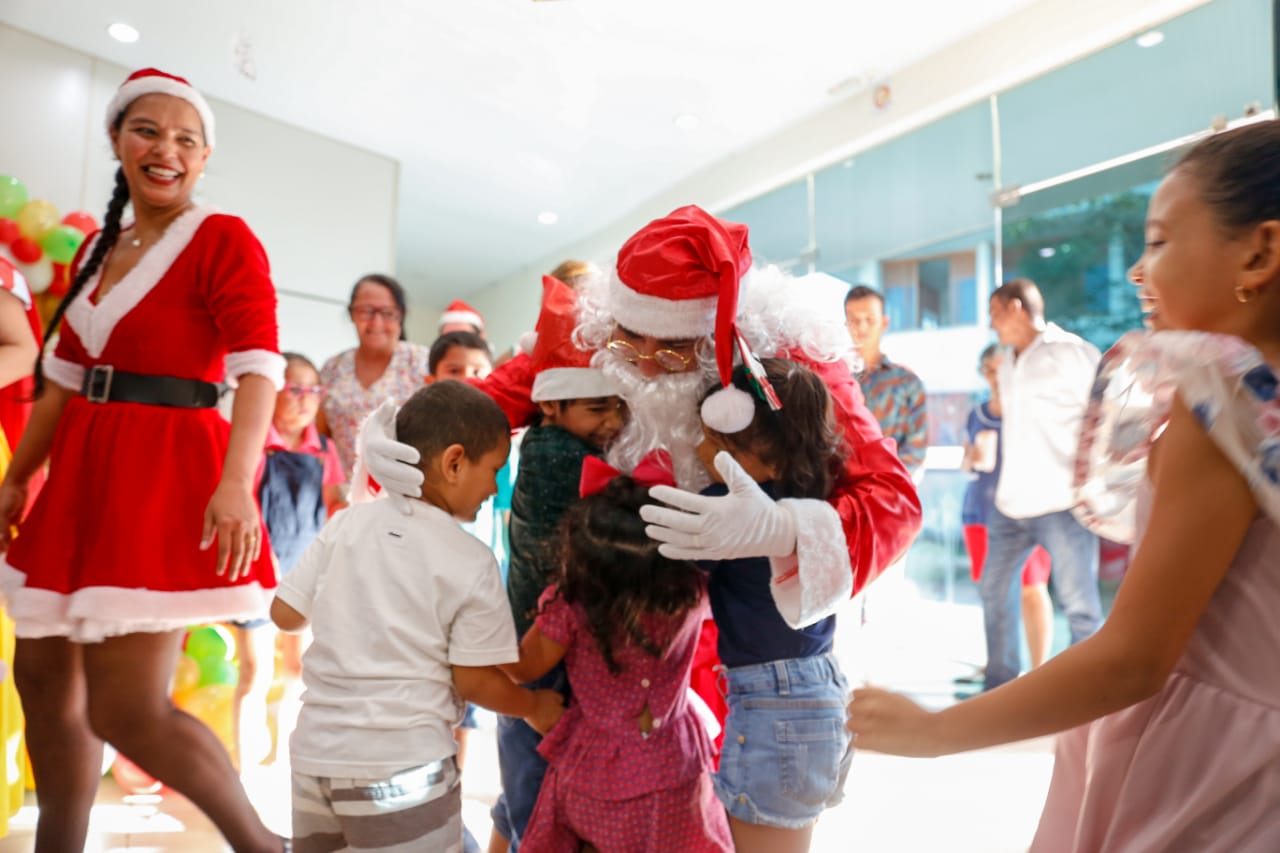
{"x":751,"y":629}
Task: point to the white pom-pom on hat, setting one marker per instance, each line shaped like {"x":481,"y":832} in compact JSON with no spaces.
{"x":729,"y":410}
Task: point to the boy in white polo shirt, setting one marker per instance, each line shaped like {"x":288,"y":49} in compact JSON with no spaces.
{"x":409,"y":619}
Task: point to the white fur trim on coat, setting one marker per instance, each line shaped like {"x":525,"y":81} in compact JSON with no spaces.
{"x":572,"y":383}
{"x":95,"y":323}
{"x":661,"y":318}
{"x":92,"y":614}
{"x":134,"y":89}
{"x":818,"y":578}
{"x":68,"y":374}
{"x":261,"y":362}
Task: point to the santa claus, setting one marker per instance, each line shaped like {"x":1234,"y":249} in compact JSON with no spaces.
{"x":683,"y":302}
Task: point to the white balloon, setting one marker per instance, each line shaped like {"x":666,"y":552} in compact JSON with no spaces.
{"x":39,"y":275}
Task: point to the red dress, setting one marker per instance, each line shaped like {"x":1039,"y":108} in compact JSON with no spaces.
{"x":111,"y":546}
{"x":607,"y":783}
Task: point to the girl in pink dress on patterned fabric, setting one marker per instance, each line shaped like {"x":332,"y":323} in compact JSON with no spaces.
{"x":629,"y":760}
{"x":1171,"y":712}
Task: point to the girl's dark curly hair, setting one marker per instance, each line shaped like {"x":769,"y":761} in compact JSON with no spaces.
{"x":631,"y":593}
{"x":800,"y":441}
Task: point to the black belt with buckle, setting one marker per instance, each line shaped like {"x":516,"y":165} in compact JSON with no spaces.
{"x":104,"y":384}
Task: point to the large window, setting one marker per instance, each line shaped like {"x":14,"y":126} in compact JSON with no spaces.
{"x":921,"y":217}
{"x":1077,"y":242}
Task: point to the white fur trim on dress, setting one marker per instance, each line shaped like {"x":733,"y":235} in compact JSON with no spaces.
{"x":818,"y":578}
{"x":661,"y":318}
{"x":68,"y":374}
{"x":92,"y":614}
{"x":260,"y":362}
{"x":572,"y":383}
{"x":95,"y":323}
{"x":134,"y":89}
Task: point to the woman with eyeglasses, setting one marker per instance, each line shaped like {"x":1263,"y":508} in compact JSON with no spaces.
{"x":298,"y":486}
{"x":382,"y":366}
{"x":147,"y":522}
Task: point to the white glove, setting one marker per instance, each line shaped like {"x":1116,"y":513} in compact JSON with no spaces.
{"x":744,"y":523}
{"x":388,"y":461}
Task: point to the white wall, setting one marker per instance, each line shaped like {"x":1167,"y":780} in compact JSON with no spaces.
{"x":325,"y":211}
{"x":1046,"y":35}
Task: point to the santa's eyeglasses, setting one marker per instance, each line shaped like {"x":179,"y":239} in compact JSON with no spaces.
{"x":669,"y":360}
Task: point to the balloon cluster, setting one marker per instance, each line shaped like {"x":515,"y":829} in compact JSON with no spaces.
{"x":38,"y":242}
{"x":204,"y":685}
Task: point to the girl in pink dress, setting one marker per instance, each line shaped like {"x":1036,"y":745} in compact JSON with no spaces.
{"x":1171,"y":712}
{"x":629,"y":760}
{"x":147,"y":522}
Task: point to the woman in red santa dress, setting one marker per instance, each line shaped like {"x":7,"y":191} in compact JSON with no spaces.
{"x":147,"y":522}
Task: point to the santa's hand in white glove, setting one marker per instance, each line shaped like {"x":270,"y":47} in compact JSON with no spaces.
{"x":393,"y":464}
{"x":744,"y":523}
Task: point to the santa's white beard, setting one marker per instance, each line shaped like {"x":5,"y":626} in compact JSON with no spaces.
{"x":663,"y":416}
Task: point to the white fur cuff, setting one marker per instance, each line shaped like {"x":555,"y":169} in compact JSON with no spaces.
{"x":257,"y":361}
{"x":810,"y":585}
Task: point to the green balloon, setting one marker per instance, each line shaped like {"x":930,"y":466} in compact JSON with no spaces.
{"x":218,"y":671}
{"x":13,"y":196}
{"x":209,"y":642}
{"x":61,"y":243}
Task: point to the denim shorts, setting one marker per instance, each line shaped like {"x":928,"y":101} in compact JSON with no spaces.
{"x":786,"y":751}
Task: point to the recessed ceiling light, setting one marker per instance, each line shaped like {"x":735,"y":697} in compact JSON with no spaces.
{"x":548,"y":217}
{"x":122,"y":32}
{"x":1151,"y":38}
{"x":687,"y":121}
{"x":1048,"y":252}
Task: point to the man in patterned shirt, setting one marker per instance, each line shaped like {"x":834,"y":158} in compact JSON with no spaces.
{"x":894,"y":394}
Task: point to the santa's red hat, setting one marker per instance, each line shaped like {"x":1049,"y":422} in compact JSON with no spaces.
{"x":152,"y":81}
{"x":458,"y":311}
{"x":678,"y":277}
{"x":562,"y":371}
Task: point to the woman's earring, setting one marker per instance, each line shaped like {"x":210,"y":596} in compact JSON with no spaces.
{"x":1244,"y":294}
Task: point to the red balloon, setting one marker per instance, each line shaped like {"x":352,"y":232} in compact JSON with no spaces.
{"x":8,"y":231}
{"x":26,"y":251}
{"x":80,"y":220}
{"x":61,"y":280}
{"x":131,"y":778}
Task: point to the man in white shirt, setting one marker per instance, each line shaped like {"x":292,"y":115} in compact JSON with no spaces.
{"x":1044,"y":387}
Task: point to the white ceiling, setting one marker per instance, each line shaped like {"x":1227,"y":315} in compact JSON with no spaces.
{"x":500,"y":109}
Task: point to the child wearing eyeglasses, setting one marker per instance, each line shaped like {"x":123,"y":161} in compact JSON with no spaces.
{"x":298,"y":485}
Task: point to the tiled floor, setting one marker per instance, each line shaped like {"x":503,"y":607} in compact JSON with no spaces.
{"x":985,"y":801}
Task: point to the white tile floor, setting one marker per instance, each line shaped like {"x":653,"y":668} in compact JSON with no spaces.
{"x":985,"y":801}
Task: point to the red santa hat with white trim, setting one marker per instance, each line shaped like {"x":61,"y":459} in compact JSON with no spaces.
{"x":678,"y":277}
{"x":458,"y":311}
{"x":153,"y":81}
{"x":562,"y":371}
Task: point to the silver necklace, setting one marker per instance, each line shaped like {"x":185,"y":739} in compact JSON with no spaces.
{"x":135,"y":242}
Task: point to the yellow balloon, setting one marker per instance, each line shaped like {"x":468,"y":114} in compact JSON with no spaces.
{"x":186,"y":677}
{"x":211,"y":705}
{"x":37,"y":218}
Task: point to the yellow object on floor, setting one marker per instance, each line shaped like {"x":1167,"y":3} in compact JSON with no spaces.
{"x":15,"y":771}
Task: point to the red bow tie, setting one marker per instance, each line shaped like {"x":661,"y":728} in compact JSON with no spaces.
{"x":655,"y":469}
